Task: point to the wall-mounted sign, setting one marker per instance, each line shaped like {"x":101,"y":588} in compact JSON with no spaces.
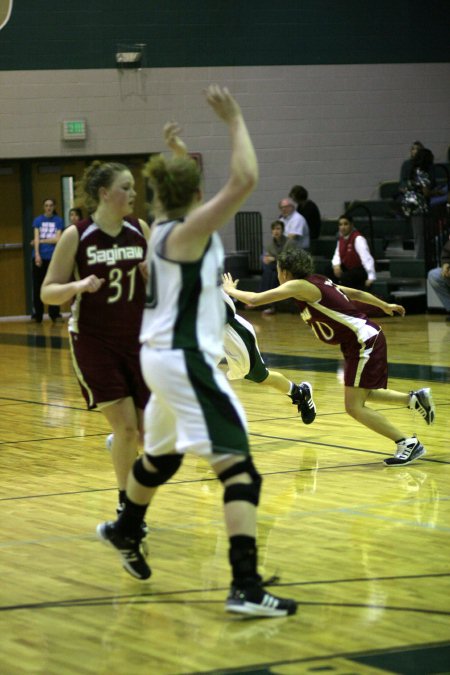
{"x":74,"y":130}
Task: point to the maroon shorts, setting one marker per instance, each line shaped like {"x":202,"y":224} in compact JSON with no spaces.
{"x":108,"y":371}
{"x":367,"y":368}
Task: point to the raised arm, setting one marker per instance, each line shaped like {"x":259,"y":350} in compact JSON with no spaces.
{"x":173,"y":141}
{"x":191,"y":238}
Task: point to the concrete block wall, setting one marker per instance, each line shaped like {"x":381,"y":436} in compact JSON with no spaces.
{"x":339,"y":130}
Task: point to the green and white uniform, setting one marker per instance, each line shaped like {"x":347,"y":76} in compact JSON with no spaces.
{"x":241,"y":347}
{"x":193,"y":407}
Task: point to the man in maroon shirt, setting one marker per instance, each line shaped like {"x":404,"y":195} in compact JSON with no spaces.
{"x":353,"y":264}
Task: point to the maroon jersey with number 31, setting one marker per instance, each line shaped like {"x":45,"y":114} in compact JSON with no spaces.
{"x":115,"y":310}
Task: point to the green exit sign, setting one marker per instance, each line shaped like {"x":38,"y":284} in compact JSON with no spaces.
{"x":74,"y":130}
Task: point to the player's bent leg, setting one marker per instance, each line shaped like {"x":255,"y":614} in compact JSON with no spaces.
{"x":407,"y":450}
{"x":355,"y":399}
{"x":247,"y":596}
{"x":122,"y":417}
{"x":242,"y":482}
{"x":126,"y":535}
{"x":277,"y":381}
{"x":156,"y":470}
{"x":388,"y":396}
{"x":420,"y":401}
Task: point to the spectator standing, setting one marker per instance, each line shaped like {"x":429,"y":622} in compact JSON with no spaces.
{"x":308,"y":209}
{"x":47,"y":229}
{"x":405,"y":169}
{"x":353,"y":264}
{"x":295,"y":225}
{"x":415,"y":200}
{"x":75,"y":215}
{"x":439,"y":279}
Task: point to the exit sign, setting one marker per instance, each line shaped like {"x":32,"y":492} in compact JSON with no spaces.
{"x":74,"y":130}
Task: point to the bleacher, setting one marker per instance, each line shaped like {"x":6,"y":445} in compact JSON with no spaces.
{"x":401,"y":277}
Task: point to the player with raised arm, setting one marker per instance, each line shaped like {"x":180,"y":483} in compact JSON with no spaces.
{"x":193,"y":408}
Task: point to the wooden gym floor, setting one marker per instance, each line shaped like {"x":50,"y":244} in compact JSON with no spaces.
{"x":363,"y":548}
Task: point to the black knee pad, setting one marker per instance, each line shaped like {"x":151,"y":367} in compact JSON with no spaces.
{"x":166,"y":465}
{"x":247,"y":492}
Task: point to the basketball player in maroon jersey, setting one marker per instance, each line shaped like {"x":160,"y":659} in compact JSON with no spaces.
{"x":97,"y":265}
{"x":334,"y":319}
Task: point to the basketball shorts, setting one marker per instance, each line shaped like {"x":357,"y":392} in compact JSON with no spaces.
{"x":107,"y":371}
{"x":192,"y":408}
{"x":367,"y":367}
{"x":242,"y":352}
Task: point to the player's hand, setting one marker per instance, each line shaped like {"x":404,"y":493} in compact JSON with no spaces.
{"x":222,"y":102}
{"x":268,"y":259}
{"x":228,"y":282}
{"x":392,"y":308}
{"x":143,"y":269}
{"x":172,"y":139}
{"x":90,"y":284}
{"x":337,"y":271}
{"x":446,"y":270}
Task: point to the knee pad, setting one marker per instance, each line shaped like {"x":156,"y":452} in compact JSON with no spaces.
{"x":247,"y":492}
{"x":166,"y":465}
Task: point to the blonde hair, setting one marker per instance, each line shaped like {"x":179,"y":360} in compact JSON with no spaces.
{"x":175,"y":181}
{"x":95,"y":176}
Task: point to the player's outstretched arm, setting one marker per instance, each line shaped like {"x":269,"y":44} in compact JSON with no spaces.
{"x":297,"y":288}
{"x":363,"y":296}
{"x":243,"y":172}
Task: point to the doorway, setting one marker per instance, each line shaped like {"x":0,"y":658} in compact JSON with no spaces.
{"x":24,"y":186}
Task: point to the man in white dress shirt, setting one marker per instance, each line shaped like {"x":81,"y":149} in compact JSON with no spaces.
{"x":295,"y":225}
